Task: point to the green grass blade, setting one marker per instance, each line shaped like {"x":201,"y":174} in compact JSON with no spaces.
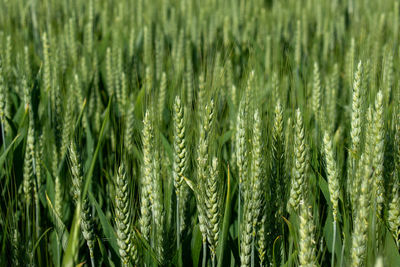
{"x":107,"y":228}
{"x":93,"y":161}
{"x":60,"y":227}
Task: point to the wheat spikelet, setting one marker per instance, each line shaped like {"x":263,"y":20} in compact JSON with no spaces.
{"x":394,"y":212}
{"x":157,"y":204}
{"x":241,"y":146}
{"x":76,"y":173}
{"x":87,"y":228}
{"x":256,"y":171}
{"x":29,"y":161}
{"x":89,"y":28}
{"x":123,"y":218}
{"x":278,"y":158}
{"x":145,"y":207}
{"x":129,"y":128}
{"x":261,"y":242}
{"x":202,"y":166}
{"x":179,"y":146}
{"x":300,"y":165}
{"x":246,"y":234}
{"x":27,"y":64}
{"x":47,"y":64}
{"x":355,"y":132}
{"x":332,"y":171}
{"x":379,"y":133}
{"x":212,"y":204}
{"x":307,"y":247}
{"x":359,"y":236}
{"x":316,"y":94}
{"x":162,"y":95}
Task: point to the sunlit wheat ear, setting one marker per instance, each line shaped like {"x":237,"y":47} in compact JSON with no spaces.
{"x":368,"y":154}
{"x":29,"y":161}
{"x":123,"y":217}
{"x":179,"y":163}
{"x":355,"y":131}
{"x":203,"y":166}
{"x":146,"y":177}
{"x":394,"y":212}
{"x":360,"y":228}
{"x":129,"y":128}
{"x":109,"y":72}
{"x":278,"y":159}
{"x":189,"y":75}
{"x":212,"y":202}
{"x":378,"y":158}
{"x":162,"y":94}
{"x":124,"y":93}
{"x":39,"y":154}
{"x":27,"y":63}
{"x":316,"y":93}
{"x":332,"y":171}
{"x":307,"y":242}
{"x":247,"y":234}
{"x":250,"y":93}
{"x":298,"y":183}
{"x":46,"y":64}
{"x":179,"y":145}
{"x":241,"y":145}
{"x":157,"y":205}
{"x":257,"y":171}
{"x":15,"y":246}
{"x":261,"y":241}
{"x":252,"y":197}
{"x":148,"y":81}
{"x":201,"y":93}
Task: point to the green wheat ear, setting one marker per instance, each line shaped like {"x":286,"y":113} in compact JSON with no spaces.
{"x":332,"y":171}
{"x":179,"y":145}
{"x":298,"y":183}
{"x":355,"y":130}
{"x":307,"y":247}
{"x":378,"y":153}
{"x":212,"y":203}
{"x":146,"y":177}
{"x":29,"y":161}
{"x":359,"y":236}
{"x":87,"y":224}
{"x":123,"y":219}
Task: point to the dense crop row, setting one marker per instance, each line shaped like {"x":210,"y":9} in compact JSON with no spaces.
{"x":199,"y":133}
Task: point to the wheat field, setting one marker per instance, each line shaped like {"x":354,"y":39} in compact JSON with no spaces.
{"x":200,"y":133}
